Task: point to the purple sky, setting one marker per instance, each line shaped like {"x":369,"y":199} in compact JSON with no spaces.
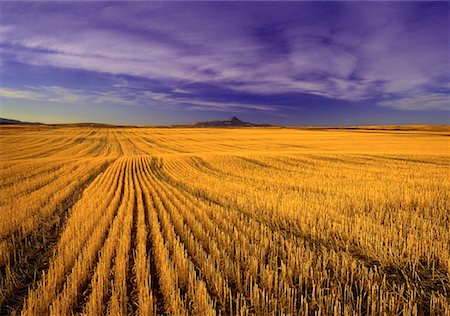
{"x":294,"y":63}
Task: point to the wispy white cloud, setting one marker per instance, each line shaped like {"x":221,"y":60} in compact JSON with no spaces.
{"x":59,"y":94}
{"x":20,"y":94}
{"x":196,"y":103}
{"x":423,"y":102}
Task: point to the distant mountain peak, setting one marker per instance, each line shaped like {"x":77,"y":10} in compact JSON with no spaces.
{"x":233,"y":122}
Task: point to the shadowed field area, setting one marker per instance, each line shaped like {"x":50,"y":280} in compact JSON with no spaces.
{"x":109,"y":220}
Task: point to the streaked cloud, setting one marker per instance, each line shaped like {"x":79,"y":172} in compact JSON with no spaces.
{"x":138,"y":98}
{"x":421,"y":102}
{"x":20,"y":94}
{"x":388,"y":54}
{"x":62,"y":95}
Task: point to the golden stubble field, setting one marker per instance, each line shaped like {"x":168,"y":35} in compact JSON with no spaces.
{"x":224,"y":221}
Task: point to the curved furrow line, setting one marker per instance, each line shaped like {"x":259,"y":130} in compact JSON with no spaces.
{"x":227,"y":218}
{"x":28,"y":172}
{"x":100,"y":188}
{"x":191,"y":287}
{"x":23,"y":217}
{"x":47,"y":199}
{"x":233,"y":194}
{"x":83,"y":235}
{"x":199,"y":164}
{"x":39,"y":184}
{"x":31,"y":255}
{"x":205,"y":253}
{"x":238,"y":175}
{"x":242,"y":234}
{"x":167,"y":275}
{"x":202,"y":165}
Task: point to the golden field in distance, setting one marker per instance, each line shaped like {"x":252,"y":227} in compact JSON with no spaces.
{"x":251,"y":221}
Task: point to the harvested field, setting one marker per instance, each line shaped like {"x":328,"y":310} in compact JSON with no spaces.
{"x":224,"y":221}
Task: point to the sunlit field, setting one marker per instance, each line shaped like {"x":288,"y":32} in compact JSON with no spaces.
{"x":258,"y":221}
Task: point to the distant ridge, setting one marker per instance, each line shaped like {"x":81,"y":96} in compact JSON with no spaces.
{"x":9,"y":121}
{"x":233,"y":122}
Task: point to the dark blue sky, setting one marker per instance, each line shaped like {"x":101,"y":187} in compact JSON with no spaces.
{"x":292,"y":63}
